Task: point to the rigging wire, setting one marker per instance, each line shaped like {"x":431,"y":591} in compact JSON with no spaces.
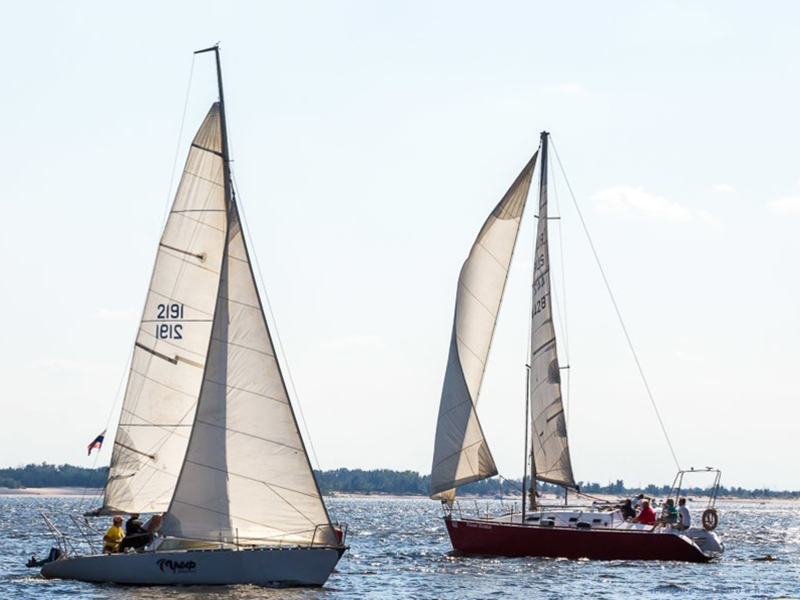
{"x":85,"y":498}
{"x":616,"y":309}
{"x":562,"y":307}
{"x":124,"y":377}
{"x":274,"y":329}
{"x":528,"y":423}
{"x":178,"y":145}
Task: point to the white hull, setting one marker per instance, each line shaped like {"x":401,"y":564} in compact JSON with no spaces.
{"x":284,"y":567}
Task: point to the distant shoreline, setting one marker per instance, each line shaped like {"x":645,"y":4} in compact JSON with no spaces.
{"x":550,"y":499}
{"x":49,"y":491}
{"x":66,"y":492}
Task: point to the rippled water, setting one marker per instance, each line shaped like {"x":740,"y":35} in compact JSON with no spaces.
{"x":399,"y":549}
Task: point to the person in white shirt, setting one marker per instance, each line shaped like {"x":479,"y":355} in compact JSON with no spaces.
{"x":684,"y":516}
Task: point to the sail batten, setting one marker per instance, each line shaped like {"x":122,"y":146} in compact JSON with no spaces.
{"x":550,"y":448}
{"x":461,"y":454}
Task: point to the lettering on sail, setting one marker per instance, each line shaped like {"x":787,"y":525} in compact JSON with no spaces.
{"x":166,"y":329}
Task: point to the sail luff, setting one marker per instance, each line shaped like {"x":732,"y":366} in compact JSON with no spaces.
{"x":461,"y":454}
{"x":549,"y":445}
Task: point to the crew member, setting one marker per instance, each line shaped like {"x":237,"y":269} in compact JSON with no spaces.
{"x":113,"y":536}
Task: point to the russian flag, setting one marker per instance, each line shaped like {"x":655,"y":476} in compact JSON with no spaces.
{"x":97,"y":443}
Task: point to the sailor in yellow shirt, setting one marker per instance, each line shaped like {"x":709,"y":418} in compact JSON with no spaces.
{"x":113,"y":536}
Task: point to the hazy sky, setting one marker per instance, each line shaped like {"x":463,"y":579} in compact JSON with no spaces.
{"x":371,"y":140}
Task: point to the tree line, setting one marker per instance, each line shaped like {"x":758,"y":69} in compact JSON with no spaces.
{"x":46,"y":475}
{"x":376,"y":481}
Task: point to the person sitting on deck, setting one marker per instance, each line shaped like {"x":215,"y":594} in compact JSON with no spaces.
{"x":647,"y":516}
{"x":133,"y":526}
{"x":113,"y":536}
{"x":669,"y":514}
{"x":684,"y":516}
{"x":637,"y":502}
{"x":627,"y":510}
{"x":136,"y":536}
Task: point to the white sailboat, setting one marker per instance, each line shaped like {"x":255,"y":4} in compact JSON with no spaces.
{"x":207,"y":433}
{"x":461,"y":452}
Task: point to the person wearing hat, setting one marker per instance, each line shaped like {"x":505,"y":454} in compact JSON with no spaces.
{"x":113,"y":536}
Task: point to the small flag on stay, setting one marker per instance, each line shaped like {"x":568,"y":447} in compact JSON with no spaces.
{"x":97,"y":443}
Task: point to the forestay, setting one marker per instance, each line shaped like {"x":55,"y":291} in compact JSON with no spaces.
{"x":169,"y":355}
{"x":461,"y":454}
{"x":549,"y":445}
{"x":246,"y":477}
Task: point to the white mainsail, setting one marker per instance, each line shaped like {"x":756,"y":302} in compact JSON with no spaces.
{"x":246,"y":477}
{"x":461,"y":454}
{"x":169,"y":355}
{"x":550,"y":450}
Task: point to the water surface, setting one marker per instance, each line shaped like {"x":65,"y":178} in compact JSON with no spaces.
{"x":399,"y":549}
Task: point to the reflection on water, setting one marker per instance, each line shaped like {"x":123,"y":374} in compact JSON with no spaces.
{"x":399,"y":548}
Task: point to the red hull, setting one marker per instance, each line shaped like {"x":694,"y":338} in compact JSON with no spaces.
{"x":506,"y":539}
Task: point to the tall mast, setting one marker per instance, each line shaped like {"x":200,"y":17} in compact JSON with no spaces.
{"x":543,"y":165}
{"x":527,"y":427}
{"x":226,"y":160}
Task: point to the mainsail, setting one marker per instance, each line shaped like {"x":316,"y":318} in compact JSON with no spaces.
{"x":461,"y":454}
{"x":169,"y":355}
{"x":549,"y":445}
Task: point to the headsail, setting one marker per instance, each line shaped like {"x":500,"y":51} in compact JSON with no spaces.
{"x":169,"y":355}
{"x":461,"y":454}
{"x":549,"y":445}
{"x":246,"y":477}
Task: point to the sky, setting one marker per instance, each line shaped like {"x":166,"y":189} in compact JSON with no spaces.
{"x":370,"y":141}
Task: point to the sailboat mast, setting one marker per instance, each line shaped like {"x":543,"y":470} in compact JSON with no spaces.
{"x":527,"y":428}
{"x":543,"y":165}
{"x":226,"y":161}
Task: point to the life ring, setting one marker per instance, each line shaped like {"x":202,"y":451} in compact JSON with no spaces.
{"x":710,"y":519}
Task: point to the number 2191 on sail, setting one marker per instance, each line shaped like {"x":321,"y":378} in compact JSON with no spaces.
{"x":169,"y":331}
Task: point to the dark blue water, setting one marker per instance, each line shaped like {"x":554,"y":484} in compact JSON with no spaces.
{"x":399,"y":549}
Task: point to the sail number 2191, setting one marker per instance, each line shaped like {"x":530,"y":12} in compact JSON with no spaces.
{"x":169,"y":331}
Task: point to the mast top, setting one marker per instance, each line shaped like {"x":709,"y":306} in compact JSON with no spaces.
{"x":223,"y":124}
{"x":214,"y":48}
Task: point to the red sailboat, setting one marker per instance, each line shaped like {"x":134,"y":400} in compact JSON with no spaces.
{"x":461,"y":454}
